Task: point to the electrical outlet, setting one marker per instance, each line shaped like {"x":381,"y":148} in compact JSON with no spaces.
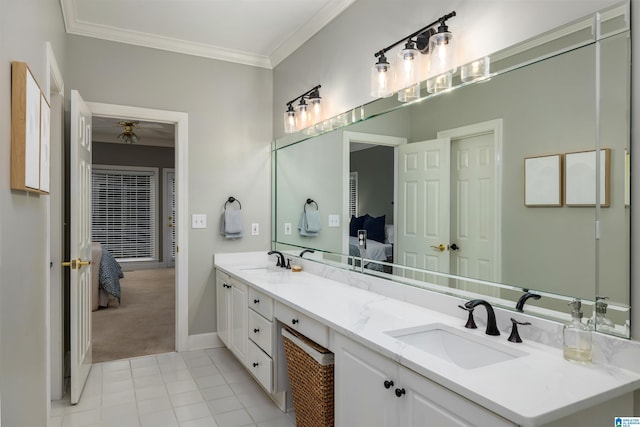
{"x":334,"y":220}
{"x":199,"y":221}
{"x":255,"y":229}
{"x":287,"y":228}
{"x":362,"y":239}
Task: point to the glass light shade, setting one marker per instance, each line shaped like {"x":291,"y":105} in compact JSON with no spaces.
{"x":304,"y":117}
{"x":440,"y":83}
{"x":475,"y":70}
{"x":410,"y":93}
{"x":316,"y":110}
{"x":128,"y":138}
{"x":381,"y":79}
{"x":408,"y":67}
{"x":290,"y":121}
{"x":442,"y":53}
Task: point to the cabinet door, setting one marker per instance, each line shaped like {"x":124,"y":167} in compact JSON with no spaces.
{"x":223,"y":306}
{"x":361,"y":398}
{"x":425,"y":400}
{"x":239,"y":336}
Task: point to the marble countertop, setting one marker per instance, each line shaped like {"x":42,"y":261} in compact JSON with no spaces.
{"x":533,"y":389}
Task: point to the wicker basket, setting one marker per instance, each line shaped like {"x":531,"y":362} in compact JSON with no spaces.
{"x":310,"y":369}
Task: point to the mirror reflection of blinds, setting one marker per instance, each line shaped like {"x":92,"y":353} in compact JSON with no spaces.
{"x":353,"y":194}
{"x":124,"y":213}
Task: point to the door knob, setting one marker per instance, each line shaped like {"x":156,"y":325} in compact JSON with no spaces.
{"x":441,"y":247}
{"x":454,"y":247}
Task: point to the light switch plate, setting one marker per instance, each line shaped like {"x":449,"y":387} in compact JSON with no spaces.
{"x":287,"y":228}
{"x":334,"y":220}
{"x":255,"y":229}
{"x":199,"y":221}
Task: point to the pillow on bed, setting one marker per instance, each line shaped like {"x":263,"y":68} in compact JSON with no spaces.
{"x":375,"y":228}
{"x":357,"y":223}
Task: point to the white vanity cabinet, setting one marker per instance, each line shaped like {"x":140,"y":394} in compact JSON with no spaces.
{"x":231,"y":314}
{"x":261,"y":332}
{"x":223,"y":306}
{"x":373,"y":390}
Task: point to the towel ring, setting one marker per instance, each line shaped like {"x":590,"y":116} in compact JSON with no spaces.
{"x":232,"y":200}
{"x":310,"y":201}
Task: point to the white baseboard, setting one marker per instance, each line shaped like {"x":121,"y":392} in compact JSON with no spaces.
{"x":204,"y":341}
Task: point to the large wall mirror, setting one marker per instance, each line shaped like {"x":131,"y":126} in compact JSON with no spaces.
{"x":519,"y":182}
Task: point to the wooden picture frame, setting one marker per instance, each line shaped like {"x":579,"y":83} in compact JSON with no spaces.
{"x":542,"y":181}
{"x":580,"y":178}
{"x":28,"y":156}
{"x":45,"y":137}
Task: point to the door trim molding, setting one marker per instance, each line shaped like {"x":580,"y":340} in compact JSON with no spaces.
{"x":495,"y":127}
{"x":181,"y":121}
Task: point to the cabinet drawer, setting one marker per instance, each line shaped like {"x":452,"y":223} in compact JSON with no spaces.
{"x":261,"y":303}
{"x":261,"y":332}
{"x":261,"y":366}
{"x":308,"y":327}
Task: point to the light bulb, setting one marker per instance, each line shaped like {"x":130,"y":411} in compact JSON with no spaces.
{"x":409,"y":66}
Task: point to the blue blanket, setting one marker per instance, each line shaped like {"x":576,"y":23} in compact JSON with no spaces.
{"x":110,"y":274}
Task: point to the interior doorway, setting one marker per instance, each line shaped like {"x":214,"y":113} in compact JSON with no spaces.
{"x":133,"y":211}
{"x":181,"y":224}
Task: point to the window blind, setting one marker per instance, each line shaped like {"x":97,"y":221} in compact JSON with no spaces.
{"x":124,"y":213}
{"x":353,"y":194}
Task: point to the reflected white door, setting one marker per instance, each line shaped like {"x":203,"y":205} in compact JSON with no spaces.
{"x":423,"y":211}
{"x":473,"y":207}
{"x":80,"y":245}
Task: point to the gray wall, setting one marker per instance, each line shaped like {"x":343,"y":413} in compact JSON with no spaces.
{"x":375,"y":181}
{"x":110,"y":154}
{"x":229,"y":139}
{"x":25,"y":26}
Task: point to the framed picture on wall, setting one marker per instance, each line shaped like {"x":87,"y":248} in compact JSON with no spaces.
{"x":580,"y":178}
{"x":29,"y":132}
{"x":542,"y":180}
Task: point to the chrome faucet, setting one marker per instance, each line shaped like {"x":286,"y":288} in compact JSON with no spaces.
{"x":524,"y":298}
{"x":492,"y":328}
{"x":281,"y":262}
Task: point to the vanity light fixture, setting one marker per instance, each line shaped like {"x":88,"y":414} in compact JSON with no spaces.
{"x":307,"y":114}
{"x":438,"y":44}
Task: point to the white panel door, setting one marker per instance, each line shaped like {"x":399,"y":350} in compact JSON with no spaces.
{"x":80,"y":245}
{"x":423,"y":206}
{"x":472,"y":206}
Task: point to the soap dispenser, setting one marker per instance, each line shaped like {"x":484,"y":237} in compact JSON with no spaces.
{"x":576,"y":336}
{"x":600,"y":321}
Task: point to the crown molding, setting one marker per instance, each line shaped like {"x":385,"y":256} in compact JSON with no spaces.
{"x":74,"y":25}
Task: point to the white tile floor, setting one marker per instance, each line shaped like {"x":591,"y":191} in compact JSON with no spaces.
{"x":204,"y":388}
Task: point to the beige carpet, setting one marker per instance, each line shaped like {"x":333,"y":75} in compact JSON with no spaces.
{"x":143,"y":324}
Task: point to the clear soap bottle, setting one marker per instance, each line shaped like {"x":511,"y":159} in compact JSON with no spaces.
{"x":600,"y":321}
{"x":576,"y":336}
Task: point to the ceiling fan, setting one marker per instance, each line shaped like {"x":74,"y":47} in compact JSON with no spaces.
{"x":128,"y":136}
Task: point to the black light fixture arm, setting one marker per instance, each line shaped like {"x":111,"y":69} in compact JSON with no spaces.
{"x":440,"y":21}
{"x":307,"y":93}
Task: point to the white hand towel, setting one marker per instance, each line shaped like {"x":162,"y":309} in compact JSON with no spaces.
{"x":231,"y":224}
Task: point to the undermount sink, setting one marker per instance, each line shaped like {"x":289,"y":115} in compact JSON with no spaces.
{"x":465,"y":350}
{"x":262,"y":270}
